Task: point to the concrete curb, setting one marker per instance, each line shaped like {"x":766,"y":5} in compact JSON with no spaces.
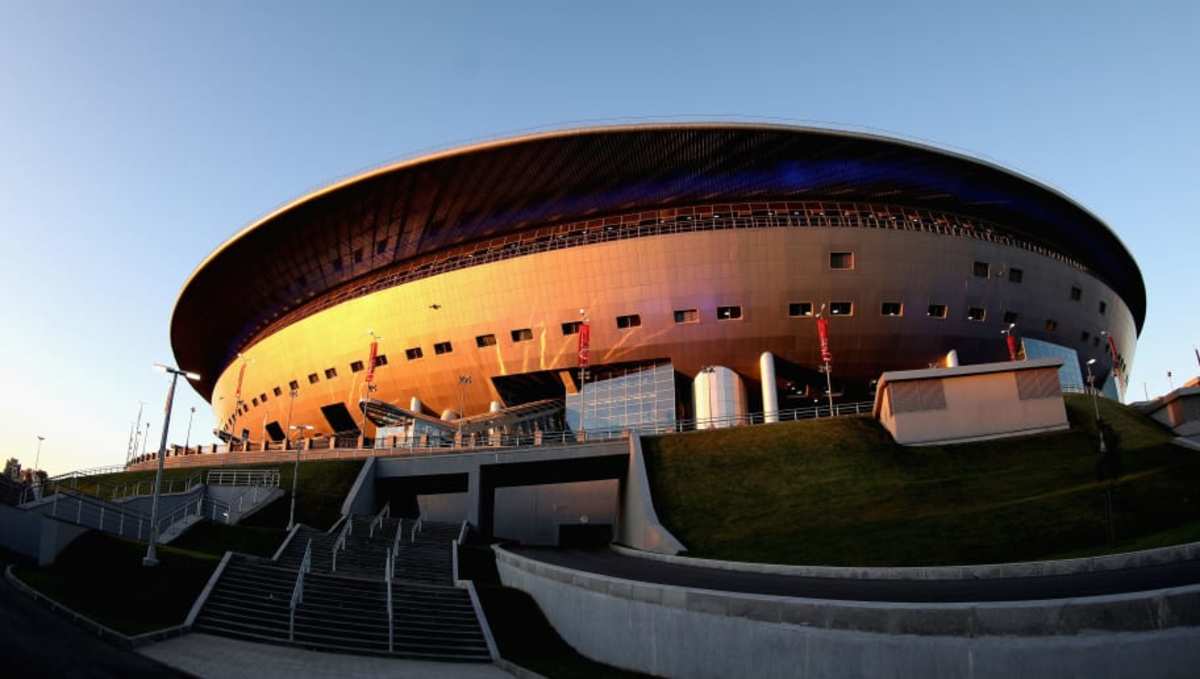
{"x":286,"y":541}
{"x":208,"y":588}
{"x":1186,"y":443}
{"x":516,"y":670}
{"x":1018,"y":569}
{"x":103,"y":631}
{"x":1128,"y":612}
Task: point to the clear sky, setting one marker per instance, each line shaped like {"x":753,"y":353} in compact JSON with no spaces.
{"x":136,"y":137}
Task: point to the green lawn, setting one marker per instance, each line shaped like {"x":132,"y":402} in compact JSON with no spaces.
{"x":841,"y":492}
{"x":214,"y":539}
{"x":102,"y":577}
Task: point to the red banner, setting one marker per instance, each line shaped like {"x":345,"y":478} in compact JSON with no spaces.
{"x":585,"y":338}
{"x":371,"y":362}
{"x":1116,"y":358}
{"x":823,"y":334}
{"x":1011,"y":340}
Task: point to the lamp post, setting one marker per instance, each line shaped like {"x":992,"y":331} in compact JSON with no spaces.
{"x":188,"y":438}
{"x":144,"y":439}
{"x":296,"y":469}
{"x":463,"y":382}
{"x":1095,"y":401}
{"x":137,"y":430}
{"x":37,"y":457}
{"x":1010,"y":341}
{"x":151,"y":558}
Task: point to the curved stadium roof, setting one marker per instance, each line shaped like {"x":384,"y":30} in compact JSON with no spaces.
{"x":451,"y":198}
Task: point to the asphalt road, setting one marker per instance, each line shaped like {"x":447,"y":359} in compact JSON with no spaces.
{"x":610,"y":563}
{"x":37,"y":642}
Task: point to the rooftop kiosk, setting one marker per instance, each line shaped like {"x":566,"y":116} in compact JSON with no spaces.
{"x":971,"y":403}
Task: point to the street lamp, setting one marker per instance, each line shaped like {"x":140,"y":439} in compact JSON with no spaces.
{"x":1095,"y":401}
{"x":188,"y":438}
{"x":296,"y":469}
{"x":151,"y":558}
{"x":463,"y":382}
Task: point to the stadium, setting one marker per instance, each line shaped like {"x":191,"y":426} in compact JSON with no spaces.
{"x":451,"y":289}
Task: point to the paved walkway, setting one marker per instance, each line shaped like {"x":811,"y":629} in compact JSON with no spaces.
{"x":611,"y":563}
{"x":207,"y":656}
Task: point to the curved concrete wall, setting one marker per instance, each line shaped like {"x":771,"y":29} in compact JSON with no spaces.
{"x":684,"y":632}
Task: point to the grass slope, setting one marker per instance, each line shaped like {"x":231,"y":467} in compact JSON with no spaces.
{"x":842,"y":492}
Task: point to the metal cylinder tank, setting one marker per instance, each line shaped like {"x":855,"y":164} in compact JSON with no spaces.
{"x":719,"y":398}
{"x":770,"y":397}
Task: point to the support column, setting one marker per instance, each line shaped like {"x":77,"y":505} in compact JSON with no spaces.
{"x":414,"y":404}
{"x":770,"y":396}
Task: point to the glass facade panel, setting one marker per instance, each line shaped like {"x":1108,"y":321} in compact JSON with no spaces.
{"x":1069,"y":375}
{"x":626,"y":398}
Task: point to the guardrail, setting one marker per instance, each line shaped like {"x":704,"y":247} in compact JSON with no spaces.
{"x":340,"y":543}
{"x":298,"y":589}
{"x":388,"y":574}
{"x":462,"y":537}
{"x":417,"y":526}
{"x":244,"y":477}
{"x":399,"y":534}
{"x":378,"y":520}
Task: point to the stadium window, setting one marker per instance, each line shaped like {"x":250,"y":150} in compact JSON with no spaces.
{"x":1085,"y":336}
{"x":1096,"y":341}
{"x":976,"y":313}
{"x":841,"y":260}
{"x":687,"y":315}
{"x":982,"y":270}
{"x":358,"y":256}
{"x":293,"y":385}
{"x":414,"y":353}
{"x":1011,"y":316}
{"x":254,"y":401}
{"x":729,"y":313}
{"x":262,"y":398}
{"x":381,"y":359}
{"x":936,"y":311}
{"x":1103,"y":307}
{"x":628,"y":321}
{"x":356,"y":366}
{"x":571,"y":327}
{"x":891,"y":309}
{"x":800,"y":309}
{"x":337,"y":264}
{"x":277,"y":391}
{"x":841,"y":308}
{"x":313,"y":379}
{"x":381,"y":247}
{"x":485,"y":341}
{"x":1076,"y":294}
{"x":330,"y":373}
{"x":522,"y":335}
{"x":1015,"y":275}
{"x":442,"y":348}
{"x":1051,"y":325}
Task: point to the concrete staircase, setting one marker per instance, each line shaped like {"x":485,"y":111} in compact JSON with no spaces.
{"x":346,"y":611}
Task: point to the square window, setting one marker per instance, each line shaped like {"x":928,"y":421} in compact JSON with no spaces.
{"x":800,"y":309}
{"x":442,"y":348}
{"x":982,"y":270}
{"x":358,"y":256}
{"x":522,"y":335}
{"x":728,"y":313}
{"x":629,"y":321}
{"x":1051,"y":325}
{"x":841,"y":260}
{"x":313,"y":379}
{"x":293,"y":385}
{"x":356,"y":366}
{"x":891,"y":309}
{"x":262,"y":398}
{"x":485,"y":341}
{"x":254,"y":401}
{"x":687,"y":315}
{"x":1011,"y":316}
{"x":1015,"y":275}
{"x":841,"y":308}
{"x":330,"y":373}
{"x":381,"y":247}
{"x":1076,"y":294}
{"x":571,"y":327}
{"x":413,"y":353}
{"x":381,"y":359}
{"x":976,"y":313}
{"x":277,"y":391}
{"x":1103,"y":307}
{"x":936,"y":311}
{"x":1085,"y":336}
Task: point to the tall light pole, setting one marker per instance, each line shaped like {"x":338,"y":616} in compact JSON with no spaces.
{"x":137,"y":430}
{"x":151,"y":558}
{"x":1095,"y":401}
{"x":295,"y":470}
{"x":463,"y":382}
{"x":188,"y":438}
{"x":144,"y":439}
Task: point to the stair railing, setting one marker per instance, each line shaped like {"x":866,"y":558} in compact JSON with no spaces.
{"x":399,"y":534}
{"x":378,"y":520}
{"x":420,"y":522}
{"x":298,"y":589}
{"x":340,"y":543}
{"x":388,"y":573}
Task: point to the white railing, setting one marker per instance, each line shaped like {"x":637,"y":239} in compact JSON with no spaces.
{"x":298,"y":589}
{"x":389,"y":573}
{"x":462,"y":536}
{"x":84,"y":473}
{"x":378,"y":520}
{"x":340,"y":543}
{"x":399,"y":533}
{"x":244,"y":477}
{"x":417,"y":526}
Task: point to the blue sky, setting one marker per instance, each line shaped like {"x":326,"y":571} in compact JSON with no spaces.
{"x":135,"y":137}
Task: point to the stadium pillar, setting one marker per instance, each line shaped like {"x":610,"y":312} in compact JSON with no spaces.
{"x":414,"y":404}
{"x":770,"y":396}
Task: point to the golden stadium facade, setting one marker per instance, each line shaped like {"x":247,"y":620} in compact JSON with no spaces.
{"x":687,"y":245}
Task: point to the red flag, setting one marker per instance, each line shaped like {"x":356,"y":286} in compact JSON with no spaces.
{"x":1116,"y":358}
{"x":371,"y":362}
{"x":1012,"y":346}
{"x":823,"y":334}
{"x":585,"y":338}
{"x":241,"y":374}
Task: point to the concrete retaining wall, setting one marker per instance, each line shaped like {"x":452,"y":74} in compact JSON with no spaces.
{"x":637,"y":522}
{"x":684,"y":632}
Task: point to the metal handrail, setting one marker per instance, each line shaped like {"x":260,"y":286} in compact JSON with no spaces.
{"x":244,"y":477}
{"x":417,"y":526}
{"x":340,"y":542}
{"x":399,"y":534}
{"x":298,"y":589}
{"x":378,"y":520}
{"x":388,"y":574}
{"x":462,"y":536}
